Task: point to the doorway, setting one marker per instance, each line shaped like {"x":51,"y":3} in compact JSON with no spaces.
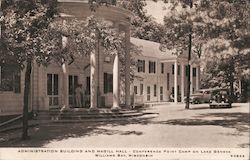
{"x":73,"y":82}
{"x":53,"y":90}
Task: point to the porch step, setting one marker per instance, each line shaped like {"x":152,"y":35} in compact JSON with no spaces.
{"x":87,"y":115}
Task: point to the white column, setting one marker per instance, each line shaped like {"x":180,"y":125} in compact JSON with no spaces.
{"x":182,"y":82}
{"x":197,"y":78}
{"x":191,"y":79}
{"x":65,"y":82}
{"x":65,"y":100}
{"x":93,"y":80}
{"x":240,"y":87}
{"x":127,"y":68}
{"x":175,"y":82}
{"x":116,"y":98}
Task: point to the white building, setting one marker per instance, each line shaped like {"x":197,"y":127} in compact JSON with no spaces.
{"x":161,"y":74}
{"x":54,"y":86}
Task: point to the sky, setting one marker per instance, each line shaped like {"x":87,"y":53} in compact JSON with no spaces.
{"x":156,"y":10}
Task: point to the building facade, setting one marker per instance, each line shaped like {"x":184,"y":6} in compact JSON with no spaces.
{"x":54,"y":86}
{"x":158,"y":74}
{"x":161,"y":75}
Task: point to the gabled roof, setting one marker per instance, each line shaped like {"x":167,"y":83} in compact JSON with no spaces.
{"x":152,"y":49}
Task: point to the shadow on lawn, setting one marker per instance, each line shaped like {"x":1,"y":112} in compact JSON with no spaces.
{"x":239,"y":121}
{"x":43,"y":134}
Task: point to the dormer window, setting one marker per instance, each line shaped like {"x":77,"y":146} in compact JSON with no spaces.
{"x":141,"y":66}
{"x":151,"y":67}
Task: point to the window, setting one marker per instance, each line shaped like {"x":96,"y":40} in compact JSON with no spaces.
{"x":186,"y":71}
{"x":148,"y":93}
{"x":135,"y":89}
{"x":53,"y":89}
{"x":162,"y":68}
{"x":141,"y":66}
{"x":161,"y":93}
{"x":179,"y":69}
{"x":87,"y":91}
{"x":178,"y":90}
{"x":108,"y":83}
{"x":155,"y":90}
{"x":141,"y":89}
{"x":194,"y":72}
{"x":73,"y":82}
{"x":173,"y":69}
{"x":10,"y":78}
{"x":168,"y":81}
{"x":151,"y":67}
{"x":172,"y":90}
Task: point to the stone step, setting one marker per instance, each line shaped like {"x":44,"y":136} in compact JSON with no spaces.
{"x":87,"y":114}
{"x":98,"y":116}
{"x":95,"y":111}
{"x":84,"y":113}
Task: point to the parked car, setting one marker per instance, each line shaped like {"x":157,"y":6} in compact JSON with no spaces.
{"x":201,"y":96}
{"x":220,"y":99}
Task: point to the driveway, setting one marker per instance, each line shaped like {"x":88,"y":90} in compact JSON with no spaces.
{"x":173,"y":127}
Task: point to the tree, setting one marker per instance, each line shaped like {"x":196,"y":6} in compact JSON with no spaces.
{"x":31,"y":34}
{"x":27,"y":38}
{"x":192,"y":23}
{"x":226,"y":68}
{"x":229,"y":28}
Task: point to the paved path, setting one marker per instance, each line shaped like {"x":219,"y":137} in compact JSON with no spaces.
{"x":174,"y":127}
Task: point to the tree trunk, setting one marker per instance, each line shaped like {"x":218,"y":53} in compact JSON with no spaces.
{"x":231,"y":89}
{"x":231,"y":80}
{"x":188,"y":69}
{"x":26,"y":99}
{"x":188,"y":87}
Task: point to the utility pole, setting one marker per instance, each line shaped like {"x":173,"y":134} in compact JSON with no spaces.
{"x":189,"y":59}
{"x":0,"y":16}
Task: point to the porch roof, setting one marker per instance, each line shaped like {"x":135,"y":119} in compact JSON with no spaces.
{"x":152,"y":49}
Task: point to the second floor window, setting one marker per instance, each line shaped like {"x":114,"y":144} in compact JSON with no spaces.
{"x":151,"y":67}
{"x":162,"y":68}
{"x":179,"y":69}
{"x":141,"y":66}
{"x":173,"y":69}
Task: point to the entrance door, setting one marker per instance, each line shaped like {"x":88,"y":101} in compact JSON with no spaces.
{"x":73,"y":82}
{"x":52,"y":90}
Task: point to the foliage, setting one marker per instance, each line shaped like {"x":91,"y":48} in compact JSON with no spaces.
{"x":207,"y":20}
{"x":26,"y":33}
{"x":31,"y":34}
{"x":84,"y":35}
{"x":27,"y":37}
{"x":143,"y":26}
